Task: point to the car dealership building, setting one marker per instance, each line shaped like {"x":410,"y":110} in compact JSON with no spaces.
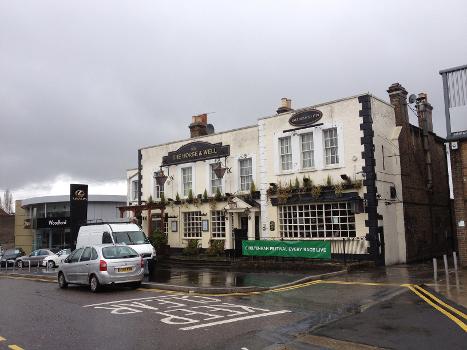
{"x":352,"y":171}
{"x":44,"y":222}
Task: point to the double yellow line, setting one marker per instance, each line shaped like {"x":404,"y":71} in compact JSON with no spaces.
{"x":452,"y":313}
{"x":12,"y":346}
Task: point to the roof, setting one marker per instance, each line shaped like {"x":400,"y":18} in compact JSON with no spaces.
{"x":66,"y":198}
{"x":267,"y":117}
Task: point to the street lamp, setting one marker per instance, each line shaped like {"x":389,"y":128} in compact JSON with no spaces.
{"x":160,"y":177}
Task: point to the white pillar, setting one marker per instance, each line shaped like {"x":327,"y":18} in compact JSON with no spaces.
{"x":251,"y":226}
{"x":228,"y":231}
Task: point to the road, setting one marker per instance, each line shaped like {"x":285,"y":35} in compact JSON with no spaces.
{"x":341,"y":313}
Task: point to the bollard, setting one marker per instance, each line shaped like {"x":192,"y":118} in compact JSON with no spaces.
{"x":446,"y":267}
{"x":29,"y":264}
{"x":435,"y":269}
{"x":454,"y":255}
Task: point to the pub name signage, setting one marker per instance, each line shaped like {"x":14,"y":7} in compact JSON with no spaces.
{"x":196,"y":151}
{"x":305,"y":118}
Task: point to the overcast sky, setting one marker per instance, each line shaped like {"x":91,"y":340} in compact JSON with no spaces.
{"x":84,"y":84}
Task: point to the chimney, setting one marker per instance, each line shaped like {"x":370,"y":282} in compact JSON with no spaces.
{"x":199,"y":125}
{"x":286,"y":106}
{"x":424,"y":112}
{"x":398,"y":98}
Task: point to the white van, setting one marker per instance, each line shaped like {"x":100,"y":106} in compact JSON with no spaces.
{"x":129,"y":234}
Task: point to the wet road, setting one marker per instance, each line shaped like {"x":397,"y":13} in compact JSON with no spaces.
{"x":342,"y":313}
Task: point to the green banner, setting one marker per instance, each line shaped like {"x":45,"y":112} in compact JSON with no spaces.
{"x":288,"y":249}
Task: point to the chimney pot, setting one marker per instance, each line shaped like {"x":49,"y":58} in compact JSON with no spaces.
{"x":199,"y":125}
{"x":285,"y":106}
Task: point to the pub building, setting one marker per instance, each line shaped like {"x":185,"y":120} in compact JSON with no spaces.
{"x":353,"y":171}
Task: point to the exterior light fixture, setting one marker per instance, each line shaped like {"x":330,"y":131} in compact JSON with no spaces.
{"x":219,"y":170}
{"x":160,"y":177}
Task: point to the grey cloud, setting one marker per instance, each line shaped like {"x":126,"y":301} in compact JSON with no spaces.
{"x":84,"y":84}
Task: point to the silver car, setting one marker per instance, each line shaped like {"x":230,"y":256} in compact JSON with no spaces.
{"x":100,"y":265}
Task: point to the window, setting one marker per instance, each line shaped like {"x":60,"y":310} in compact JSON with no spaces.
{"x":94,"y":254}
{"x":130,"y":237}
{"x":158,"y":190}
{"x":317,"y":220}
{"x":75,"y":255}
{"x":119,"y":252}
{"x":331,"y":155}
{"x":134,"y":190}
{"x":106,"y":238}
{"x":216,"y":183}
{"x":218,"y":223}
{"x":186,"y":180}
{"x":285,"y":152}
{"x":192,"y":224}
{"x":86,"y":255}
{"x":246,"y":174}
{"x":306,"y":141}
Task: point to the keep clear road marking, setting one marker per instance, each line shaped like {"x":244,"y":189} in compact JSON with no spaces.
{"x":187,"y":311}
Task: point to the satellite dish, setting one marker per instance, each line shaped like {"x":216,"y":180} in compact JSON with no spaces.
{"x":412,"y":98}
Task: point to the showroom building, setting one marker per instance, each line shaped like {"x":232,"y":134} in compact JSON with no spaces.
{"x":332,"y":171}
{"x":44,"y":222}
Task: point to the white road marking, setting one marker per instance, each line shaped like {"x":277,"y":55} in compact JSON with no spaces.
{"x":234,"y":320}
{"x":187,"y":311}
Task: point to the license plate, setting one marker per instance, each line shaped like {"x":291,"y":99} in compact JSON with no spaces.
{"x":125,"y":269}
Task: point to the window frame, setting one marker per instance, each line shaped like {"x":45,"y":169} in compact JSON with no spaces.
{"x":192,"y":228}
{"x":182,"y":181}
{"x":289,"y":156}
{"x":211,"y":179}
{"x":311,"y":150}
{"x":331,"y":148}
{"x":333,"y":220}
{"x":218,"y":227}
{"x":240,"y":176}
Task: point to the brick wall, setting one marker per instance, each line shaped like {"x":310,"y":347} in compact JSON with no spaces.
{"x":459,"y":174}
{"x":427,"y":212}
{"x":7,"y":231}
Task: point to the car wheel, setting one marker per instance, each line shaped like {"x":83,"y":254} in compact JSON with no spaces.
{"x":94,"y":284}
{"x":50,"y":264}
{"x":20,"y":264}
{"x":62,"y":281}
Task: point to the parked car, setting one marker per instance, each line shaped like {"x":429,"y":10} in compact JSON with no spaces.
{"x":52,"y":261}
{"x":99,"y":265}
{"x":129,"y":234}
{"x":11,"y":254}
{"x":35,"y":258}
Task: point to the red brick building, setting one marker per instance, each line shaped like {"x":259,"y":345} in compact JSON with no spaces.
{"x":455,"y":102}
{"x":425,"y":179}
{"x":7,"y":229}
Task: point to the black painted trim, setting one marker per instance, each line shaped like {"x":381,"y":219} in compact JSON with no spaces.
{"x":140,"y":176}
{"x":368,"y":156}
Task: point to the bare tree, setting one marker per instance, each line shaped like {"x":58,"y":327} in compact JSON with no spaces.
{"x":8,"y":202}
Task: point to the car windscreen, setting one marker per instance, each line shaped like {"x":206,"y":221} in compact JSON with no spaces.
{"x":119,"y":252}
{"x":130,"y":237}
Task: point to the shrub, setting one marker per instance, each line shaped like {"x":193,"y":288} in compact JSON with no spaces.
{"x":158,"y":239}
{"x":218,"y":195}
{"x":190,"y":196}
{"x":252,"y":187}
{"x":296,"y":184}
{"x":205,"y":195}
{"x":192,"y":247}
{"x":329,"y":180}
{"x":177,"y":197}
{"x":216,"y":247}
